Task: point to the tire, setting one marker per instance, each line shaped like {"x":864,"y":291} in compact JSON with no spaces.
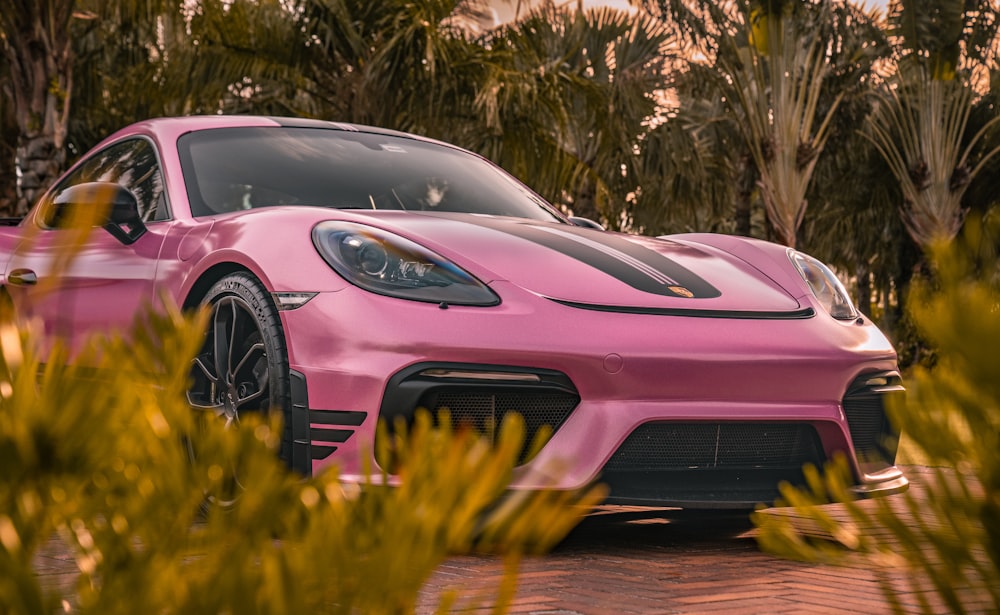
{"x":243,"y":365}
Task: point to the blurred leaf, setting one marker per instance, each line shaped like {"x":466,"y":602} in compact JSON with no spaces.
{"x":105,"y":451}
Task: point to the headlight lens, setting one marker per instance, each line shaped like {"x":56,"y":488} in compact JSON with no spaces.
{"x":388,"y":264}
{"x":824,"y":286}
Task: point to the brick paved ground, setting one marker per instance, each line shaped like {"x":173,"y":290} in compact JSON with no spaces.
{"x":644,"y":562}
{"x":635,"y":561}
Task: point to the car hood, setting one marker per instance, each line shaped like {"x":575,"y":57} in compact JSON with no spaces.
{"x":597,"y":269}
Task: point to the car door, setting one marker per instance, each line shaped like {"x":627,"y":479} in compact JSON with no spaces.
{"x":106,"y":281}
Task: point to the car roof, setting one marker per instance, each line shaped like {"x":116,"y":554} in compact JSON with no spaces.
{"x":170,"y":128}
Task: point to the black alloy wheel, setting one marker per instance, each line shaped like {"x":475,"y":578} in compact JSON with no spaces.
{"x":243,"y":365}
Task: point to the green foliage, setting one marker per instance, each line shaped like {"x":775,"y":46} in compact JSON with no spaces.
{"x":921,"y":131}
{"x":564,"y":103}
{"x":112,"y":459}
{"x":951,"y":538}
{"x":936,"y":34}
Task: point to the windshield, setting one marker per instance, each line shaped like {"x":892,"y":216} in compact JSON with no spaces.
{"x":232,"y":169}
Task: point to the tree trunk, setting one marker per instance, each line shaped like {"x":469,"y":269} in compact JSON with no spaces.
{"x":38,"y":47}
{"x":40,"y":161}
{"x":744,"y":194}
{"x":8,"y":199}
{"x":8,"y":177}
{"x":585,"y":201}
{"x":864,"y":288}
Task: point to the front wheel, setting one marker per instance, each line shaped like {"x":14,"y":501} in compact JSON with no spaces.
{"x":243,"y":365}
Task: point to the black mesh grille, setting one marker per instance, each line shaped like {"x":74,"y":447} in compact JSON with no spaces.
{"x":866,"y":418}
{"x":864,"y":405}
{"x":692,"y":446}
{"x":735,"y":465}
{"x":485,"y":410}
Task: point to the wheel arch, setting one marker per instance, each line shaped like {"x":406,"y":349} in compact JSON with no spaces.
{"x":209,"y":277}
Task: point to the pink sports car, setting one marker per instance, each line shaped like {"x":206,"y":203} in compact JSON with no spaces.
{"x":358,"y":274}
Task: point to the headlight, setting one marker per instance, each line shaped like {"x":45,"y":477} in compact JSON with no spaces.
{"x":388,"y":264}
{"x":824,"y":286}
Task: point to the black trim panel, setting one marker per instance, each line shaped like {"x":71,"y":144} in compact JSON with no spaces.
{"x":305,"y":437}
{"x":318,"y":434}
{"x":801,"y":314}
{"x":301,"y":457}
{"x":322,"y":452}
{"x":337,"y":417}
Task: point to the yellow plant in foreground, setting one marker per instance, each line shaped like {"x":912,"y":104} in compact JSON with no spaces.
{"x":112,"y":459}
{"x":950,"y":540}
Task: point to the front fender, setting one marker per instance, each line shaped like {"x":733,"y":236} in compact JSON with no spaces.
{"x":280,"y":254}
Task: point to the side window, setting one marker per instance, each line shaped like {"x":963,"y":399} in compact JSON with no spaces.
{"x":132,"y":164}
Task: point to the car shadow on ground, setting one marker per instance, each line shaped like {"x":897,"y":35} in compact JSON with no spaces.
{"x":631,"y":528}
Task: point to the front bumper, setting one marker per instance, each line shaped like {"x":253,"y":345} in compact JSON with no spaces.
{"x":624,"y":373}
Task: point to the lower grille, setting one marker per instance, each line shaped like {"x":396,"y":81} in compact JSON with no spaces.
{"x":701,"y":463}
{"x":875,"y":440}
{"x":692,"y":446}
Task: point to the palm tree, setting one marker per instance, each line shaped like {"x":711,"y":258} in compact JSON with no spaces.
{"x":852,"y":222}
{"x":37,"y":45}
{"x":38,"y":40}
{"x":774,"y":64}
{"x":982,"y":196}
{"x":565,"y":97}
{"x":399,"y":64}
{"x":132,"y":66}
{"x":8,"y":149}
{"x":921,"y":127}
{"x":778,"y":89}
{"x":696,"y":171}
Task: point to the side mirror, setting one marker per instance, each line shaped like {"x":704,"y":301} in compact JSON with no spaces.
{"x":122,"y":221}
{"x":585,"y":223}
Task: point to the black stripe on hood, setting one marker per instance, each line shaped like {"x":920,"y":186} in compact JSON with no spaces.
{"x":627,"y":261}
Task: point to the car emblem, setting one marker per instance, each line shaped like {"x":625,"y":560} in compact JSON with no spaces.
{"x":681,"y":291}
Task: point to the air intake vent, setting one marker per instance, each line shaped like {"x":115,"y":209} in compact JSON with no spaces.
{"x":481,"y":396}
{"x":874,"y":438}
